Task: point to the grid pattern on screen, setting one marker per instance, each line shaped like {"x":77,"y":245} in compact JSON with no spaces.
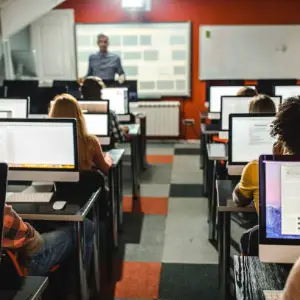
{"x":156,"y":54}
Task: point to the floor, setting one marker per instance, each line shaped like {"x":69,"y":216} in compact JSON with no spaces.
{"x":164,"y":251}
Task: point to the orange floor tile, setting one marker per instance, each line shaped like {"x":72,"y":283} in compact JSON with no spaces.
{"x":140,"y":280}
{"x":160,"y":159}
{"x":146,"y":205}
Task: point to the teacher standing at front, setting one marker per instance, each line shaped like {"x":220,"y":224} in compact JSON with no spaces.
{"x":105,"y":64}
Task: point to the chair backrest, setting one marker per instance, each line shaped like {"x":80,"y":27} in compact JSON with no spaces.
{"x":249,"y":241}
{"x":89,"y":182}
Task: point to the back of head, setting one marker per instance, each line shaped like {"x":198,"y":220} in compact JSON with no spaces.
{"x":246,"y":92}
{"x":262,"y":104}
{"x":92,"y":87}
{"x":286,"y":126}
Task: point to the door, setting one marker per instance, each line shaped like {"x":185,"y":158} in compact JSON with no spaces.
{"x":52,"y":38}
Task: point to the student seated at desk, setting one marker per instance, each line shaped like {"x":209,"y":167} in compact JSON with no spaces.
{"x":91,"y":90}
{"x":90,"y":153}
{"x":42,"y":251}
{"x":246,"y":190}
{"x":247,"y":92}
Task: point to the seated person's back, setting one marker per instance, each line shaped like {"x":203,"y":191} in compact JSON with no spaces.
{"x":247,"y":189}
{"x":90,"y":153}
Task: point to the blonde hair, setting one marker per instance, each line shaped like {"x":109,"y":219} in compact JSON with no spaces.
{"x":66,"y":106}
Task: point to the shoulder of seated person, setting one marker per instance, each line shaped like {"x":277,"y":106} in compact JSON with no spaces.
{"x":251,"y":165}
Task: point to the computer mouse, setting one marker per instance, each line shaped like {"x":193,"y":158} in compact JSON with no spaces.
{"x":58,"y":205}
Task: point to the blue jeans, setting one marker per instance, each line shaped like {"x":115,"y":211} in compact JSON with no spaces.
{"x":58,"y":245}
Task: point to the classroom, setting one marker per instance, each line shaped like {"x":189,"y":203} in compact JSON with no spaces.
{"x":149,"y":149}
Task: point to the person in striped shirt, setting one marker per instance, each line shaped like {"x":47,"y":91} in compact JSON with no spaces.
{"x":42,"y":251}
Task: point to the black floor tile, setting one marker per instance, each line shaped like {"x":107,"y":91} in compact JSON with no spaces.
{"x":188,"y":282}
{"x":187,"y":151}
{"x":186,"y":190}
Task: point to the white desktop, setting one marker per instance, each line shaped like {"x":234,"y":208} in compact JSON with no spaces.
{"x":249,"y":137}
{"x":118,"y":101}
{"x":91,"y":106}
{"x":279,"y":217}
{"x":17,"y":107}
{"x":97,"y":124}
{"x":40,"y":150}
{"x":216,"y":92}
{"x":287,"y":91}
{"x":238,"y":105}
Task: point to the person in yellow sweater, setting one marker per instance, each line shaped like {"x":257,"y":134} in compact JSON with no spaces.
{"x":246,"y":190}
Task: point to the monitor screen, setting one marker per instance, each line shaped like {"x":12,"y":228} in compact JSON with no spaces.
{"x":18,"y":108}
{"x":39,"y":144}
{"x":282,"y":180}
{"x":216,"y":92}
{"x":287,"y":91}
{"x":94,"y":106}
{"x":118,"y":99}
{"x":249,"y":137}
{"x":97,"y":124}
{"x":238,"y":105}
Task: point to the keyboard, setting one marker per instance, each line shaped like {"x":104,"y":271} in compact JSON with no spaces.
{"x":29,"y":197}
{"x":273,"y":295}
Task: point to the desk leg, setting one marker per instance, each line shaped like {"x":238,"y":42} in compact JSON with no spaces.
{"x":112,"y":196}
{"x":202,"y":150}
{"x":135,"y":167}
{"x":79,"y":229}
{"x":120,"y":194}
{"x":95,"y":210}
{"x":220,"y":249}
{"x":213,"y":207}
{"x":143,"y":144}
{"x":226,"y":255}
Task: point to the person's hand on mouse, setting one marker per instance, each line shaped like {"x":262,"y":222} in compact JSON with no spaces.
{"x":108,"y":159}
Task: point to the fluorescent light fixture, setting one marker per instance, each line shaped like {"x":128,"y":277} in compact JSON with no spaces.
{"x":136,"y":4}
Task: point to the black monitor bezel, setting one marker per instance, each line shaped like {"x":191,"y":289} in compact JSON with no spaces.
{"x":231,"y":116}
{"x":262,"y":200}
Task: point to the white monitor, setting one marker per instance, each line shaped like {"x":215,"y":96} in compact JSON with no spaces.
{"x":249,"y":137}
{"x":279,"y":209}
{"x":96,"y":106}
{"x":287,"y":91}
{"x":40,"y":149}
{"x":97,"y":124}
{"x":216,"y":92}
{"x":118,"y":99}
{"x":17,"y":107}
{"x":238,"y":105}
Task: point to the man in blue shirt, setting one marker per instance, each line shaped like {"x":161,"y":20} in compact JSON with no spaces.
{"x":105,"y":64}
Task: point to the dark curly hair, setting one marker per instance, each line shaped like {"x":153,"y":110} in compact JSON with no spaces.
{"x":286,"y":126}
{"x":91,"y":88}
{"x":246,"y":91}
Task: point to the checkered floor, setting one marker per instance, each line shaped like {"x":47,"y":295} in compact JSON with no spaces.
{"x":164,"y":251}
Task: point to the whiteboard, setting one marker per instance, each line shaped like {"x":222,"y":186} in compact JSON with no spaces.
{"x":158,"y":55}
{"x":249,"y":52}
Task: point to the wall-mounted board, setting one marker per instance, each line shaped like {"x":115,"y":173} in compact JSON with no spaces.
{"x":249,"y":52}
{"x":158,"y":55}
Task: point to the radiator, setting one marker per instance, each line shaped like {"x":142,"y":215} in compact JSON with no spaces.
{"x":163,"y":117}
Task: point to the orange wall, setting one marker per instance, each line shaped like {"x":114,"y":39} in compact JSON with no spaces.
{"x":200,"y":12}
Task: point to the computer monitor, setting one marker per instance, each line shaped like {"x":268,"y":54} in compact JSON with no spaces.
{"x":18,"y":107}
{"x":249,"y":137}
{"x":118,"y":99}
{"x":91,"y":106}
{"x":286,"y":91}
{"x":216,"y":92}
{"x":238,"y":105}
{"x":20,"y":88}
{"x":98,"y":124}
{"x":279,"y":210}
{"x":40,"y":149}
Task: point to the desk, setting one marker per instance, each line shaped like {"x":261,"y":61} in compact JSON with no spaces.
{"x":32,"y":289}
{"x":116,"y":191}
{"x":252,"y":277}
{"x":215,"y":152}
{"x":134,"y":132}
{"x":225,"y":208}
{"x":71,"y":213}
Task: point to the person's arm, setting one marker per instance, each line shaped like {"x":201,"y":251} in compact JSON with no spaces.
{"x":120,"y":71}
{"x":103,"y":162}
{"x":243,"y":193}
{"x":292,"y":286}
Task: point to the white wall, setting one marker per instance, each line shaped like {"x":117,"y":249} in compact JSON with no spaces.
{"x":17,"y":14}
